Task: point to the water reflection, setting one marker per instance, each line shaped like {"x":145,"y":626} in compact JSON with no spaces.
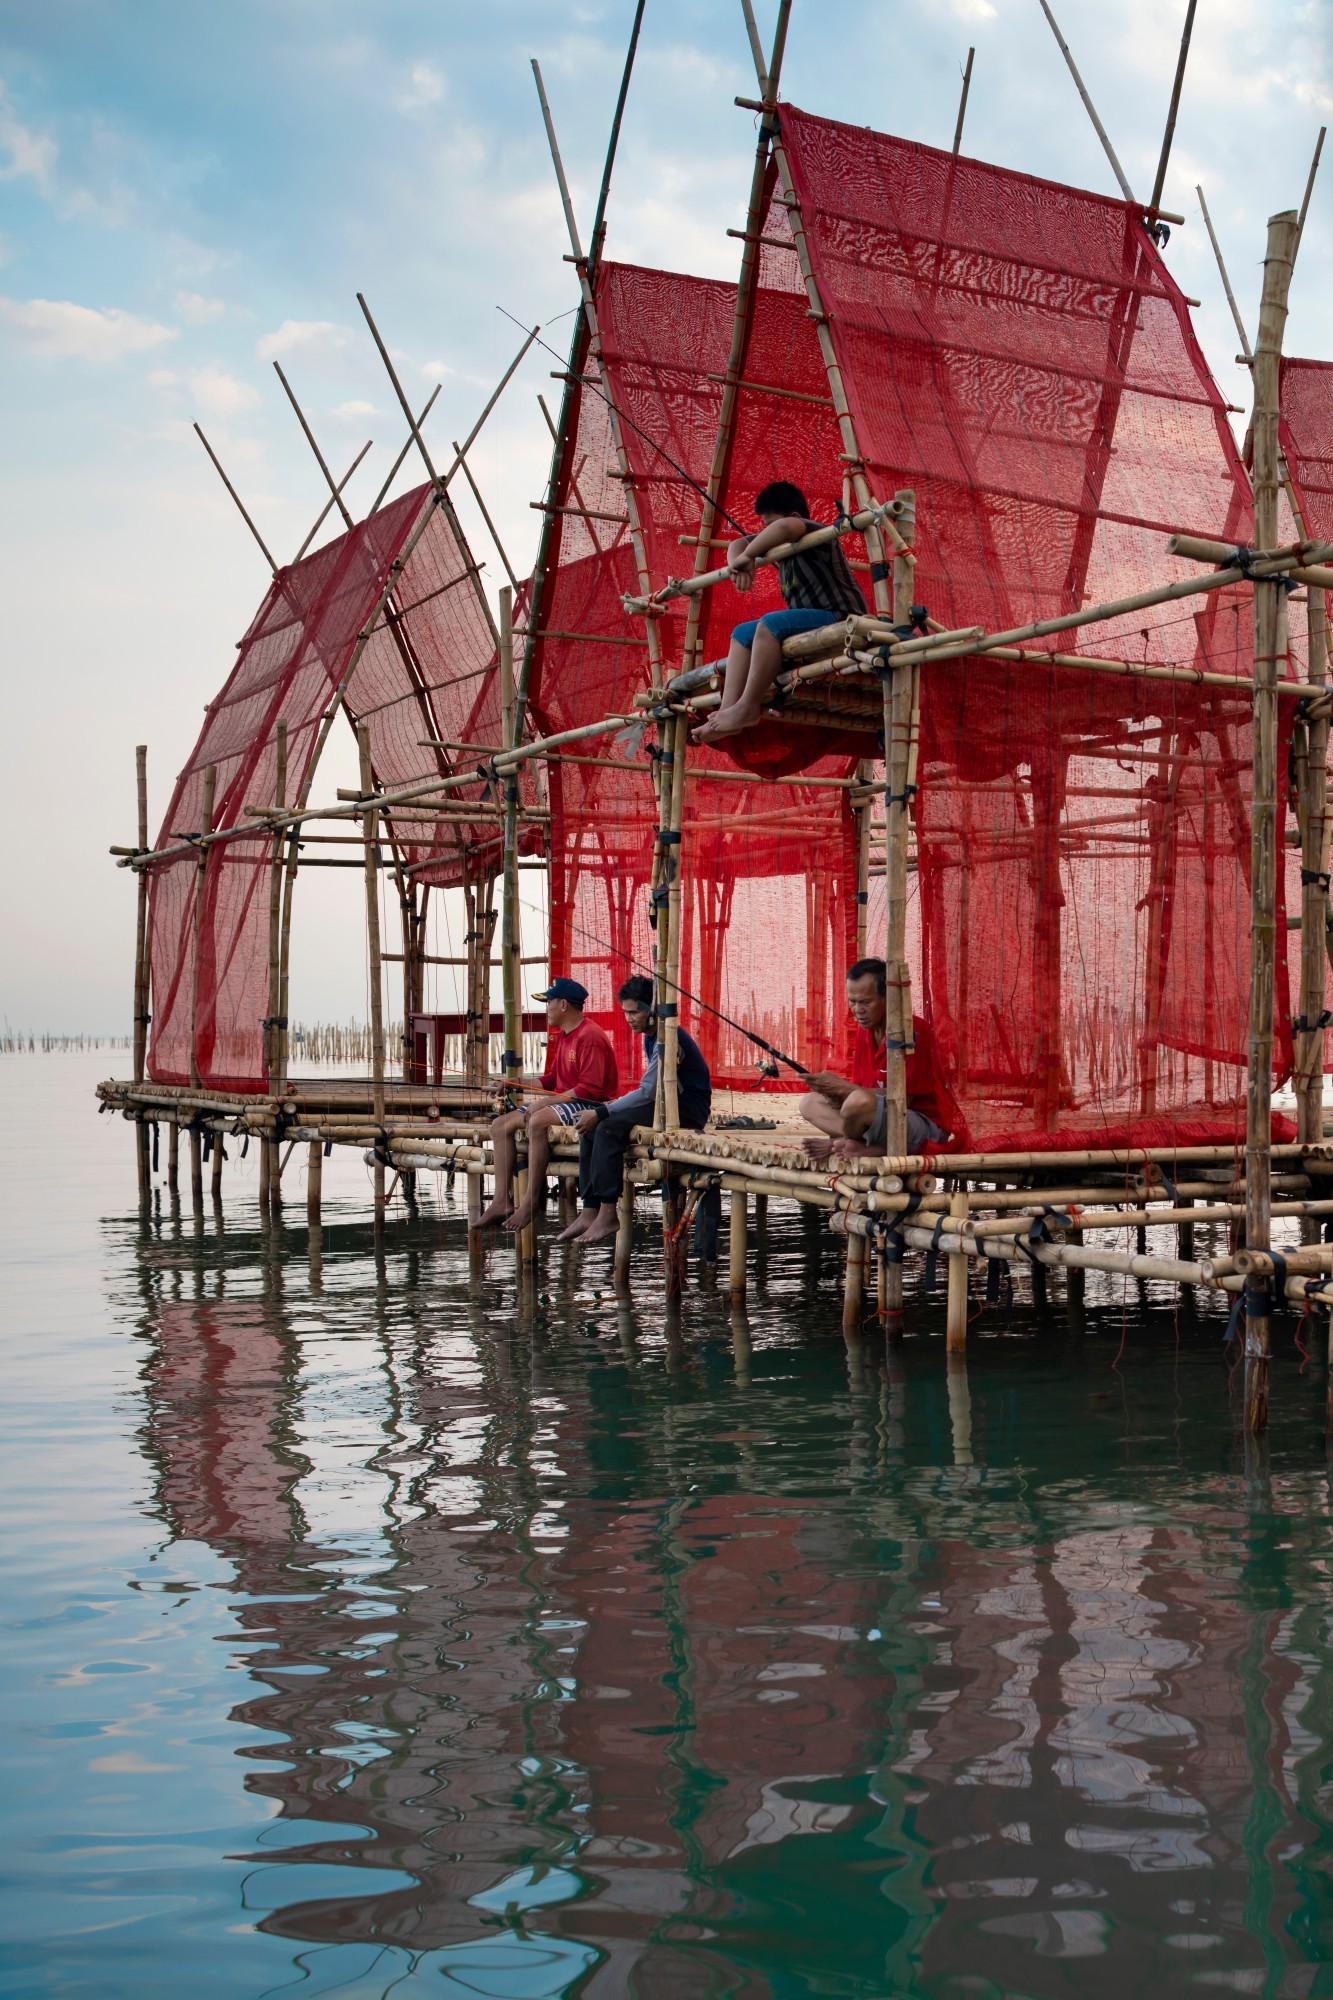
{"x":591,"y":1648}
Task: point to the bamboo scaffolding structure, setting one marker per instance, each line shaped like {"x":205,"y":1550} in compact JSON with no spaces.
{"x":1269,"y":638}
{"x":510,"y":939}
{"x":201,"y":876}
{"x":484,"y":511}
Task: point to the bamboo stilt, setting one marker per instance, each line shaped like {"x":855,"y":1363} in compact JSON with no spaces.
{"x":738,"y":1244}
{"x":314,"y":1183}
{"x":1269,"y":613}
{"x":173,"y":1159}
{"x":853,"y":1280}
{"x":370,"y":829}
{"x":624,"y":1232}
{"x":219,"y":1153}
{"x":955,"y":1320}
{"x":196,"y":1170}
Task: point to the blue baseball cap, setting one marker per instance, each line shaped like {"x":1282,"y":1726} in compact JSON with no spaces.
{"x":564,"y":989}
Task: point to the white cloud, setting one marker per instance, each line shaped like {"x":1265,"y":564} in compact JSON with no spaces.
{"x":197,"y":309}
{"x":426,"y":87}
{"x":309,"y":334}
{"x":32,"y":155}
{"x":161,"y":378}
{"x":436,"y":370}
{"x":220,"y":394}
{"x":59,"y":327}
{"x":356,"y":409}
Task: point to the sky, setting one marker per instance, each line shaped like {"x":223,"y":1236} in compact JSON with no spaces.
{"x":190,"y":192}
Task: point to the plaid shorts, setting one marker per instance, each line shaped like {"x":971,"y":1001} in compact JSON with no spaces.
{"x":570,"y":1112}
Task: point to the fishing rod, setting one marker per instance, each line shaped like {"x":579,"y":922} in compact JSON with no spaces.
{"x":585,"y":381}
{"x":683,"y":991}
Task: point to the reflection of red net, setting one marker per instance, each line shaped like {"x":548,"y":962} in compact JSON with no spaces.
{"x":1018,"y":354}
{"x":426,"y":672}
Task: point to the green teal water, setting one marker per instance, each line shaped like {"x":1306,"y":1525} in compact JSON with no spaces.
{"x":373,"y":1629}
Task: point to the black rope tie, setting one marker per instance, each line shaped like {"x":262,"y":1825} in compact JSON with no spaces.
{"x":1300,"y":1026}
{"x":1314,"y":878}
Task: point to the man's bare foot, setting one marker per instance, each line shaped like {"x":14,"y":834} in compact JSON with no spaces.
{"x":519,"y":1218}
{"x":580,"y":1226}
{"x":603,"y":1230}
{"x":495,"y":1212}
{"x":708,"y":728}
{"x":818,"y":1148}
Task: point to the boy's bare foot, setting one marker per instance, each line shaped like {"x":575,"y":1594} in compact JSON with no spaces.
{"x":603,"y":1229}
{"x":728,"y":722}
{"x":495,"y":1212}
{"x":580,"y":1226}
{"x":519,"y":1218}
{"x":709,"y":727}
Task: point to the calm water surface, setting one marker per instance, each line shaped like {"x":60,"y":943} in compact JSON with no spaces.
{"x":371,"y":1629}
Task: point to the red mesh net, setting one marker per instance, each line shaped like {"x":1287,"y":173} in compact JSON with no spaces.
{"x":426,"y":672}
{"x":1018,"y":354}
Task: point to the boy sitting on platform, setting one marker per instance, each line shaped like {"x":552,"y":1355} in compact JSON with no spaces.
{"x":580,"y":1072}
{"x":817,"y":587}
{"x":851,"y":1113}
{"x":606,"y":1128}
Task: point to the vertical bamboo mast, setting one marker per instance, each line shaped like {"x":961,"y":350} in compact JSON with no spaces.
{"x":201,"y":878}
{"x":900,"y":698}
{"x":370,"y":830}
{"x":275,"y":1025}
{"x":742,"y":320}
{"x":141,"y":1138}
{"x":1283,"y":235}
{"x":586,"y":275}
{"x":1309,"y":1052}
{"x":510,"y":943}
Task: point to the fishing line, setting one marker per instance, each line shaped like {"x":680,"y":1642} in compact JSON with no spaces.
{"x":683,"y":991}
{"x":569,"y":374}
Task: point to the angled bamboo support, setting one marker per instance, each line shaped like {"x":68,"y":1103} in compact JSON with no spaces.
{"x":1269,"y":645}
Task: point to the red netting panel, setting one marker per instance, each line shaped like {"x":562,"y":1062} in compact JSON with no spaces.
{"x":429,"y":675}
{"x":763,"y":942}
{"x":1018,"y":354}
{"x":289,"y":663}
{"x":1307,"y":439}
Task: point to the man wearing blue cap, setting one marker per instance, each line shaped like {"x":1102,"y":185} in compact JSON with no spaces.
{"x":580,"y":1072}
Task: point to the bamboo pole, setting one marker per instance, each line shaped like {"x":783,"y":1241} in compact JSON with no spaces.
{"x":668,"y":1010}
{"x":240,"y":504}
{"x":962,"y":102}
{"x":955,"y":1318}
{"x":1169,"y":134}
{"x":1315,"y":830}
{"x":370,"y":827}
{"x":142,"y":1141}
{"x":173,"y":1159}
{"x":1247,"y":351}
{"x":511,"y":1062}
{"x":586,"y":269}
{"x":624,"y":1232}
{"x":1088,"y":105}
{"x":738,"y":1233}
{"x":853,"y":1282}
{"x":314,"y":1183}
{"x":1269,"y":609}
{"x":899,"y":703}
{"x":746,"y":285}
{"x":205,"y":828}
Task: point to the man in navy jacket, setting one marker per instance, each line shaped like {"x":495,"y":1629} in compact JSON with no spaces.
{"x":606,"y":1128}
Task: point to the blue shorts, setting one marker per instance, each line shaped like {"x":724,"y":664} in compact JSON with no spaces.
{"x":783,"y":623}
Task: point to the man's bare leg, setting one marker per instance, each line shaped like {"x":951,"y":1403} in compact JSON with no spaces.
{"x":580,"y":1226}
{"x":539,"y":1152}
{"x":502,"y":1144}
{"x":765,"y":666}
{"x":858,"y":1110}
{"x":606,"y":1222}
